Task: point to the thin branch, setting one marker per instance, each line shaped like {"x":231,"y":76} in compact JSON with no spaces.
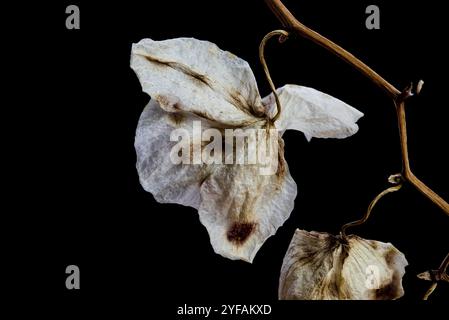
{"x":429,"y":291}
{"x":394,"y":179}
{"x":407,"y":172}
{"x":292,"y":25}
{"x":444,"y":264}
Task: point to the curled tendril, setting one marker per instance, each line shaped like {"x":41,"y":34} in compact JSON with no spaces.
{"x":283,"y":35}
{"x":396,"y":180}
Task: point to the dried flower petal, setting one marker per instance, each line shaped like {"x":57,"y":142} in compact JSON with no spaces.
{"x":196,"y":76}
{"x":239,"y":207}
{"x":323,"y":266}
{"x":315,"y":113}
{"x":168,"y":182}
{"x":242,"y":208}
{"x":194,"y":81}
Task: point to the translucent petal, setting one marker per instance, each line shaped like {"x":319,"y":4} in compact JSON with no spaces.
{"x":169,"y":183}
{"x":242,"y":208}
{"x":240,"y":205}
{"x":314,"y":113}
{"x":196,"y":76}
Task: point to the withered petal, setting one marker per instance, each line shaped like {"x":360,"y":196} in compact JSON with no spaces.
{"x":242,"y":208}
{"x":188,"y":80}
{"x":321,"y":266}
{"x":314,"y":113}
{"x":239,"y":206}
{"x":167,"y":182}
{"x":196,"y":76}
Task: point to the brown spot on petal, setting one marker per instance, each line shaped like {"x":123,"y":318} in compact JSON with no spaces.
{"x":236,"y":99}
{"x":390,"y":291}
{"x":164,"y":102}
{"x":389,"y":257}
{"x":281,"y":170}
{"x":176,"y":118}
{"x":239,"y":232}
{"x":204,"y":115}
{"x":393,"y":289}
{"x":374,"y":245}
{"x":240,"y":102}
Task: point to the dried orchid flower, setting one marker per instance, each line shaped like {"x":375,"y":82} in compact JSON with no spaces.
{"x":321,"y":266}
{"x":199,"y":92}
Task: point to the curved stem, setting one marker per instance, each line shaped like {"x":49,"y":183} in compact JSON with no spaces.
{"x":426,"y":191}
{"x":282,"y":36}
{"x":396,"y":179}
{"x":294,"y":26}
{"x":429,"y":291}
{"x":406,"y":170}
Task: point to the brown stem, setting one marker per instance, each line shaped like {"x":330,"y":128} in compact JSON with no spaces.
{"x":291,"y":24}
{"x":283,"y":35}
{"x":426,"y":191}
{"x":429,"y":291}
{"x":402,"y":124}
{"x":394,"y":179}
{"x":436,"y":276}
{"x":406,"y":170}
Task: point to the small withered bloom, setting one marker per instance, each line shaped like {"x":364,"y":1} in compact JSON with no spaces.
{"x":193,"y":81}
{"x":321,"y":266}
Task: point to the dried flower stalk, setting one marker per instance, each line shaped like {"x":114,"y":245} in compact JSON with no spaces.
{"x":291,"y":24}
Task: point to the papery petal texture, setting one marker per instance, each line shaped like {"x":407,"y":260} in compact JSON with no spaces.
{"x":196,"y":76}
{"x":239,"y":206}
{"x":313,"y":112}
{"x":193,"y":82}
{"x":321,"y":266}
{"x":168,"y":182}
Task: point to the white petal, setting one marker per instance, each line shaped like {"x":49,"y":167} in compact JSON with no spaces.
{"x":168,"y":182}
{"x":322,"y":266}
{"x":242,"y":208}
{"x":239,"y":206}
{"x":314,"y":113}
{"x":196,"y":76}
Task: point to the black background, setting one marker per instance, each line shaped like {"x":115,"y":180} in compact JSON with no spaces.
{"x":80,"y":200}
